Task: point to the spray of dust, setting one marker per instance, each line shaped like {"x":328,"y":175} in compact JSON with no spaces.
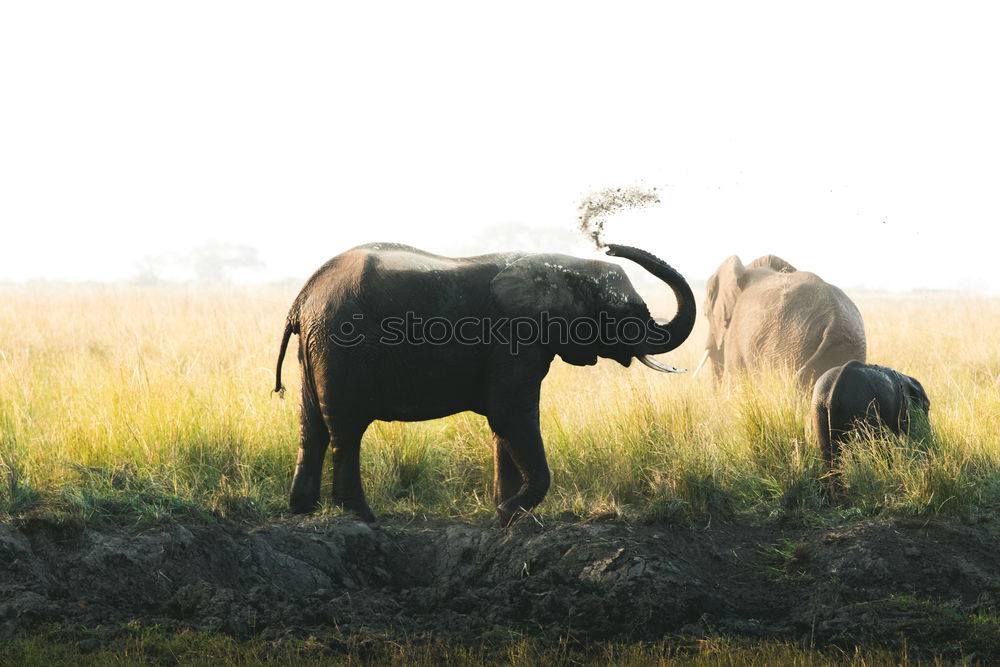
{"x":597,"y":207}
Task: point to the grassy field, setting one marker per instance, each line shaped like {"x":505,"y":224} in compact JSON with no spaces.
{"x":127,"y":404}
{"x":148,"y":647}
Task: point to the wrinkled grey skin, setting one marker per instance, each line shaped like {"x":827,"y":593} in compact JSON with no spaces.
{"x":862,"y":394}
{"x":767,"y":314}
{"x":345,"y":388}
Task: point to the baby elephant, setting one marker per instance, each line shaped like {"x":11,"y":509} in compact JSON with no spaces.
{"x":855,"y":393}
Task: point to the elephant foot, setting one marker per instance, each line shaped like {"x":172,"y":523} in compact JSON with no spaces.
{"x":303,"y":504}
{"x":519,"y":520}
{"x":503,"y":520}
{"x":833,"y":489}
{"x":358,"y":507}
{"x":500,"y":523}
{"x":509,"y":513}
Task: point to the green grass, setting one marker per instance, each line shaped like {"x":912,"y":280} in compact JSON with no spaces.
{"x":125,"y":404}
{"x":137,"y":646}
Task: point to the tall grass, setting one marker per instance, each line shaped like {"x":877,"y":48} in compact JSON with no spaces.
{"x":143,"y":402}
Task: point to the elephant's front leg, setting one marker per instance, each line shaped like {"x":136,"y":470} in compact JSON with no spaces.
{"x":512,"y":410}
{"x":523,"y":440}
{"x":507,"y":478}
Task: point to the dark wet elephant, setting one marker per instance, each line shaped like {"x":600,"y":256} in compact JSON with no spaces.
{"x":374,"y":344}
{"x":862,"y":394}
{"x":768,"y":314}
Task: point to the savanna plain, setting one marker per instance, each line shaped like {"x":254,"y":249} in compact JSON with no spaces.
{"x":145,"y":465}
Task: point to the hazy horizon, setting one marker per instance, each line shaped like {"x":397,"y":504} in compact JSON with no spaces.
{"x":857,"y":141}
{"x":182,"y":275}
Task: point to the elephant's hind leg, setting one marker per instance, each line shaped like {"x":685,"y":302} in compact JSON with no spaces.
{"x":821,"y":424}
{"x":313,"y":440}
{"x":345,"y":444}
{"x":829,"y":447}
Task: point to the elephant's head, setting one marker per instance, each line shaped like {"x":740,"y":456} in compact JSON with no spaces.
{"x":723,"y":291}
{"x":570,"y":299}
{"x":915,"y":395}
{"x":910,"y":396}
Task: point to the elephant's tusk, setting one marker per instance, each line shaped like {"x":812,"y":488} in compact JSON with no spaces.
{"x":701,"y":363}
{"x":657,"y":366}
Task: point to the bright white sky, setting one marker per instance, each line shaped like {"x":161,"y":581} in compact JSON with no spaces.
{"x":857,"y":140}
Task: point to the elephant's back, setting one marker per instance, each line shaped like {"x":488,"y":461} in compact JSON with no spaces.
{"x":790,"y":316}
{"x":788,"y":302}
{"x":796,"y":298}
{"x":337,"y":276}
{"x":333,"y":287}
{"x":388,"y":280}
{"x":860,"y":387}
{"x":795,"y":291}
{"x":401,"y":258}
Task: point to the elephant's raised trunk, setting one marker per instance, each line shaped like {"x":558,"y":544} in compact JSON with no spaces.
{"x":679,"y":328}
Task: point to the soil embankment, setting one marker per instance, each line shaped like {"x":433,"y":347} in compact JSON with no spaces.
{"x":931,"y":583}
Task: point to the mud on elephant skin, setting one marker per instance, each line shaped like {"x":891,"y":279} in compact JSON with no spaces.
{"x":768,"y":314}
{"x":355,"y":370}
{"x":856,"y":394}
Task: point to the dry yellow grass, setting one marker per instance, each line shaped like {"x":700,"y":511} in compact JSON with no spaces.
{"x":149,"y":401}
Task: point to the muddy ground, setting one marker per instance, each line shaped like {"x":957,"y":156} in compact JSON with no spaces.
{"x":931,"y":583}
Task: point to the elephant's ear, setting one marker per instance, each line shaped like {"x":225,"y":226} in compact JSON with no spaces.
{"x":772,"y":262}
{"x":723,"y":289}
{"x":559,"y":285}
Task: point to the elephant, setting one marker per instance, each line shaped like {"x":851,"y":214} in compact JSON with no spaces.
{"x":856,"y":393}
{"x":365,"y":321}
{"x":768,"y":314}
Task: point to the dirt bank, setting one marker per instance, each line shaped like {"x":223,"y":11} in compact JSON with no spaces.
{"x":932,"y":583}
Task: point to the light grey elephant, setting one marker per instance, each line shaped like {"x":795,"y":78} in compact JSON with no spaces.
{"x":767,"y":314}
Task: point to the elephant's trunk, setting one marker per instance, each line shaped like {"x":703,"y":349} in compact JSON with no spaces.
{"x":679,"y":328}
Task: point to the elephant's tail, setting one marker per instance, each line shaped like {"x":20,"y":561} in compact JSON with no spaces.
{"x":292,"y":326}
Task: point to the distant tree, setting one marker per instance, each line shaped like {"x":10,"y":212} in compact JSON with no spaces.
{"x":214,"y":262}
{"x":211,"y":263}
{"x":156,"y":269}
{"x":149,"y":270}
